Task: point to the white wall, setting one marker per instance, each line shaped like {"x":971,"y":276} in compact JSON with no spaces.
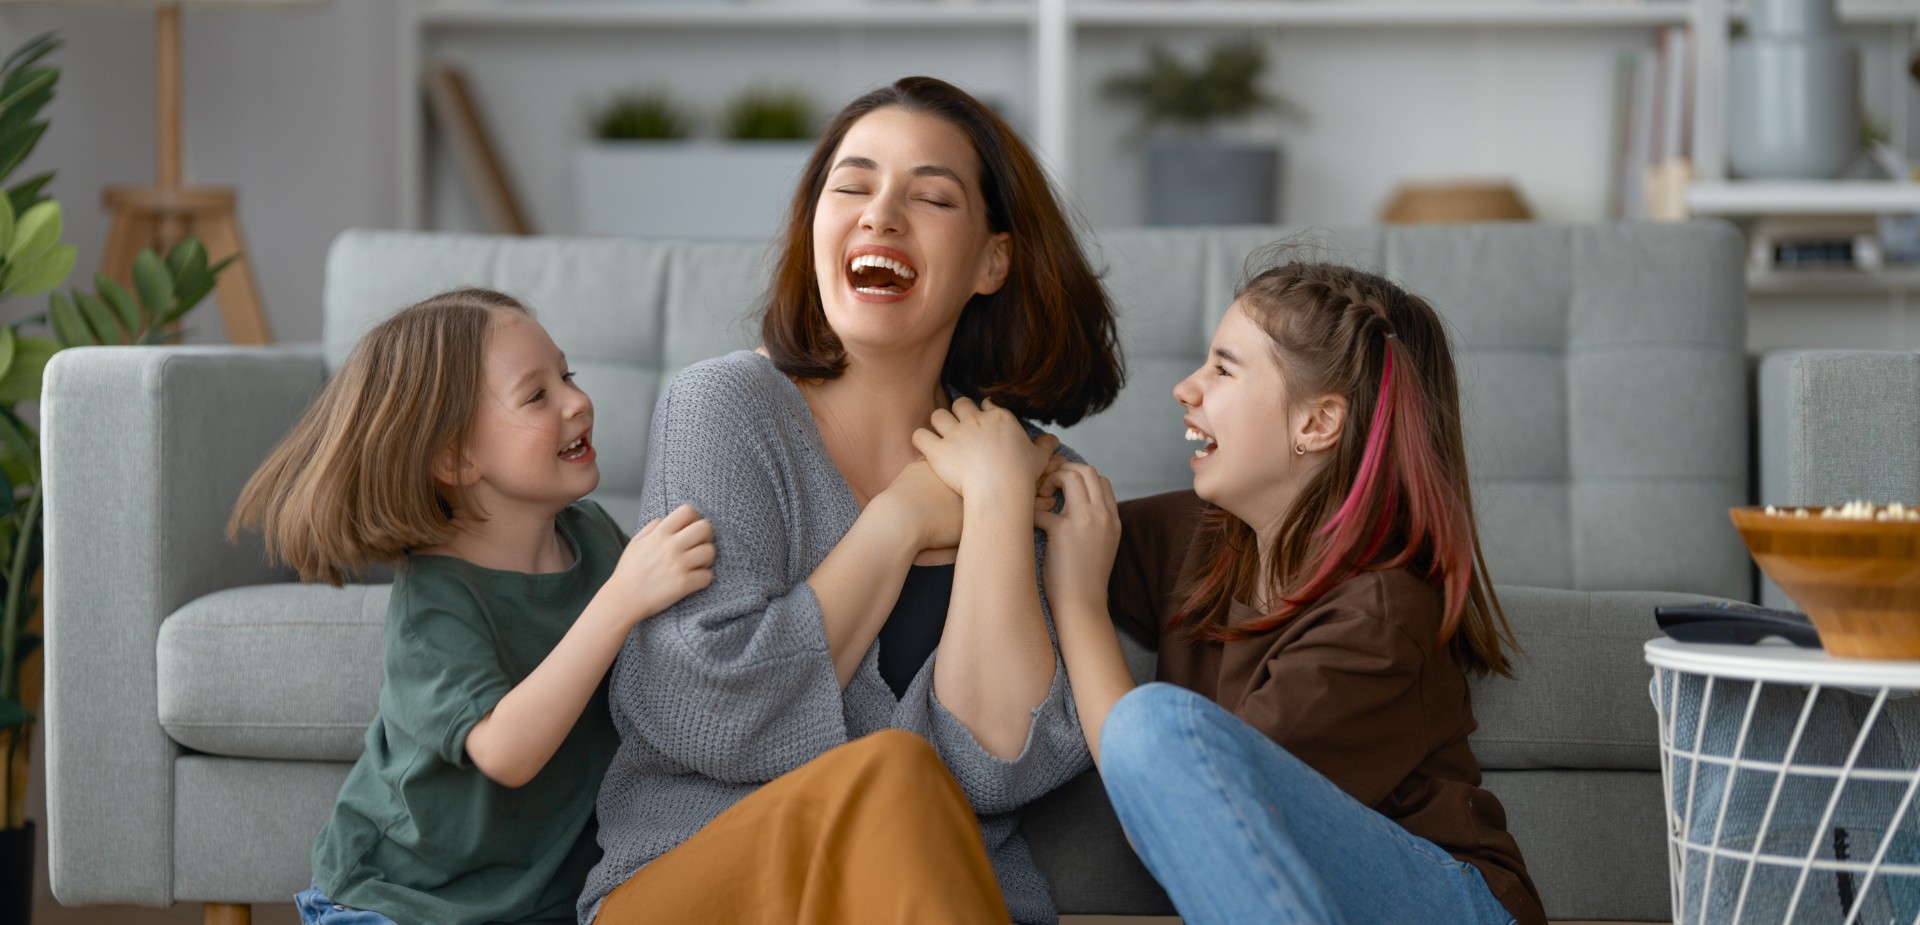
{"x":294,"y":109}
{"x":297,"y":110}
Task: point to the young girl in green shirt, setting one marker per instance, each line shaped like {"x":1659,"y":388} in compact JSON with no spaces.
{"x":454,"y":444}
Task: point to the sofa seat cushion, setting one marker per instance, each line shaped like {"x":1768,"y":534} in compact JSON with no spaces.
{"x":274,"y":671}
{"x":1578,"y":697}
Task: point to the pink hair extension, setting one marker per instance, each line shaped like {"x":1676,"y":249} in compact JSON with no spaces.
{"x":1399,"y":465}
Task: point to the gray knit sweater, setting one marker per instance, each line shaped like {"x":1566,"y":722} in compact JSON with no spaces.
{"x":734,"y":686}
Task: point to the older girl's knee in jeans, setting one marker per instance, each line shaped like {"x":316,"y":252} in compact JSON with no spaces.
{"x":1144,"y":726}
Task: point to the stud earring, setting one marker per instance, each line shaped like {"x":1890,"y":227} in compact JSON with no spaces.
{"x":1299,"y":449}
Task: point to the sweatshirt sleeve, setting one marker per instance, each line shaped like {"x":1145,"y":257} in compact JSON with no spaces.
{"x":734,"y":682}
{"x":1155,"y":534}
{"x":1055,"y":750}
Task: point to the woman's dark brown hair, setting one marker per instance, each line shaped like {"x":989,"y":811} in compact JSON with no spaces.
{"x":1394,"y":492}
{"x":352,"y":485}
{"x":1043,"y":346}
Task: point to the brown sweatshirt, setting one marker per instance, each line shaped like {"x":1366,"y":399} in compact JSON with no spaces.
{"x":1358,"y":686}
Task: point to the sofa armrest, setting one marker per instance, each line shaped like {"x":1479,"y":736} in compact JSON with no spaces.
{"x":1836,"y":425}
{"x":145,"y":450}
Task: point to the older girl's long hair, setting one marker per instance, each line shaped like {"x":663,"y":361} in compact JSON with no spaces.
{"x":1394,"y":492}
{"x":1044,"y":346}
{"x":352,"y":485}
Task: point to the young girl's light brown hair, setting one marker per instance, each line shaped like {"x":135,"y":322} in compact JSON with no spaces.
{"x":352,"y":485}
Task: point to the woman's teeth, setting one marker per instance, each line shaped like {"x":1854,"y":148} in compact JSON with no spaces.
{"x":875,"y":260}
{"x":884,"y":275}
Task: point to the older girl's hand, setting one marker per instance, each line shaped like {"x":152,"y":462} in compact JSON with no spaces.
{"x":983,"y":452}
{"x":1081,"y":539}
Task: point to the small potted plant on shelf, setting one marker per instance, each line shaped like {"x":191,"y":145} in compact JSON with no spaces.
{"x":1195,"y":175}
{"x":641,"y":174}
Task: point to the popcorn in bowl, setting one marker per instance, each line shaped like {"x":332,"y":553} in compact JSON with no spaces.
{"x":1853,"y":510}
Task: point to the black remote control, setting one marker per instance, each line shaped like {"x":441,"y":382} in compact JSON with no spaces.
{"x":1735,"y":622}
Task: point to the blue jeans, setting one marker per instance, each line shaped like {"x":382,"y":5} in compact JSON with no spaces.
{"x":1238,"y":830}
{"x":317,"y":908}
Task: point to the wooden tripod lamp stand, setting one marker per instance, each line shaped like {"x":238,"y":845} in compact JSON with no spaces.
{"x":160,"y":215}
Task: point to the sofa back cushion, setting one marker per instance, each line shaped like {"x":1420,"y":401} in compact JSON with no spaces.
{"x":1602,"y":366}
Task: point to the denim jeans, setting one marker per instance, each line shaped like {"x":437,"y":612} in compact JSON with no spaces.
{"x":317,"y":908}
{"x":1238,"y":830}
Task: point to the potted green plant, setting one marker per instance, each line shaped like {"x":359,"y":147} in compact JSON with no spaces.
{"x":640,"y":174}
{"x":33,"y":260}
{"x":1193,"y":175}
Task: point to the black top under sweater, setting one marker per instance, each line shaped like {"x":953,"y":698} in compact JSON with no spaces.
{"x":913,"y":628}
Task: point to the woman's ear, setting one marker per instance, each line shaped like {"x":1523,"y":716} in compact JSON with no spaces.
{"x":993,"y":274}
{"x":450,"y":468}
{"x":1320,"y":426}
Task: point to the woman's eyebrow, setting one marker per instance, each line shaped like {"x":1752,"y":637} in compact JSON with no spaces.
{"x":934,"y":170}
{"x":862,"y":163}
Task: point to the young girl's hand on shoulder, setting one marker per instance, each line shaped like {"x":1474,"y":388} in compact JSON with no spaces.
{"x":1081,"y":538}
{"x":670,"y":558}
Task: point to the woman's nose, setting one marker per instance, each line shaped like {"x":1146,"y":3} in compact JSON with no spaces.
{"x":882,"y":215}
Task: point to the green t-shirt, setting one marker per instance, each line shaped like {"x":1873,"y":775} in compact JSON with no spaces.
{"x":418,"y":833}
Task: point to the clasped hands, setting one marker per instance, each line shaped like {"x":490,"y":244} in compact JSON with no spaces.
{"x":973,"y":456}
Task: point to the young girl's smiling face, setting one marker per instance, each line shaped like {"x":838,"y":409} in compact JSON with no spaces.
{"x":531,"y":443}
{"x":1240,"y":414}
{"x":900,"y":236}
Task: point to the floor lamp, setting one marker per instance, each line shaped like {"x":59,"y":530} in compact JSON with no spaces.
{"x":160,"y":215}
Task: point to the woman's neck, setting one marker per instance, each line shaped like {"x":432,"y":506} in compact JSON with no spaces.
{"x":508,"y":541}
{"x":867,"y":416}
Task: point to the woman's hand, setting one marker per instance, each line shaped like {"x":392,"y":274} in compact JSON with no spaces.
{"x":1082,"y":538}
{"x":928,"y":506}
{"x":982,"y":451}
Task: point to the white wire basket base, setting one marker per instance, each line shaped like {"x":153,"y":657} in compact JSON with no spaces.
{"x":1789,"y":801}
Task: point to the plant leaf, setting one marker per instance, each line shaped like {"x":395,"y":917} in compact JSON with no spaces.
{"x":154,"y":283}
{"x":22,"y":383}
{"x":187,"y":255}
{"x":37,"y":229}
{"x":6,"y":349}
{"x":13,"y":434}
{"x":99,"y":318}
{"x":68,"y":327}
{"x":35,"y":49}
{"x":26,"y":194}
{"x":6,"y":223}
{"x":26,"y":83}
{"x":124,"y":308}
{"x":41,"y":272}
{"x":15,"y":147}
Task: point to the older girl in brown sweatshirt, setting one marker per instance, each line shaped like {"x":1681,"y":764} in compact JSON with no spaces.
{"x":1318,"y":600}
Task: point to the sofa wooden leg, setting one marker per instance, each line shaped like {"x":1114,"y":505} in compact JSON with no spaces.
{"x":228,"y":914}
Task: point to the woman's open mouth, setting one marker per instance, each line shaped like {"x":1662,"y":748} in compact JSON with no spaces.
{"x":874,"y":271}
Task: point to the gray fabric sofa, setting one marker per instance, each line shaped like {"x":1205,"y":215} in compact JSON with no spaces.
{"x":201,"y":711}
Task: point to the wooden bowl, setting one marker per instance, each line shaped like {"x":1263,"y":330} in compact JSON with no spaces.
{"x":1858,"y":579}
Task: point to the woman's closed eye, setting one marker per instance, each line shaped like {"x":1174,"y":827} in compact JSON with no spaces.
{"x":1221,"y":369}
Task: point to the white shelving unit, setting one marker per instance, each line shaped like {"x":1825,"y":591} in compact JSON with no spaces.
{"x":1054,"y":32}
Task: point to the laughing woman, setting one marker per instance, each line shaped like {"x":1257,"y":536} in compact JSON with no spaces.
{"x":927,"y":276}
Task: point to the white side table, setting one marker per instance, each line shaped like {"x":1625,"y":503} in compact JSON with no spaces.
{"x":1790,"y":780}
